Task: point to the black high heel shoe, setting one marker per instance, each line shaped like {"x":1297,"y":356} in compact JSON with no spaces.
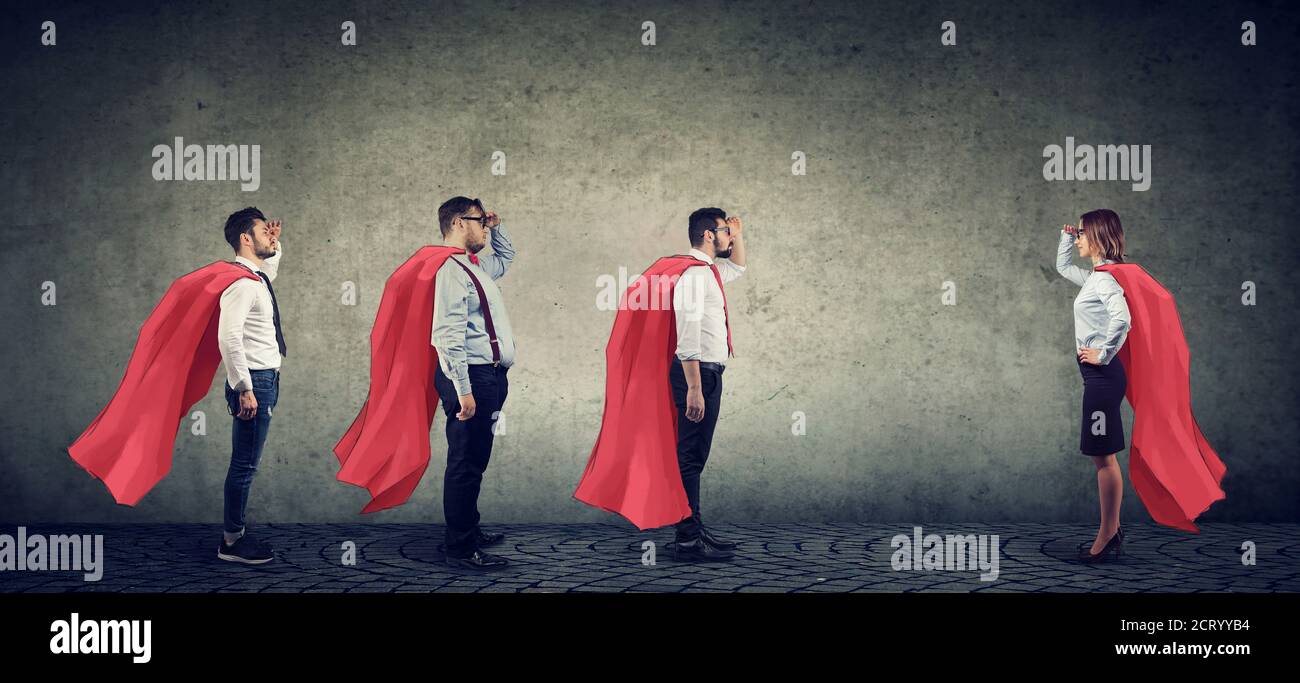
{"x":1114,"y":547}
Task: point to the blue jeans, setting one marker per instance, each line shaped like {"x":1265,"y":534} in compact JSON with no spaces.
{"x":246,"y":440}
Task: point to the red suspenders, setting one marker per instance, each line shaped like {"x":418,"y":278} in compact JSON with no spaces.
{"x":487,"y":313}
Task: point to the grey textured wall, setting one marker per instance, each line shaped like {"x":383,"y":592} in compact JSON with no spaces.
{"x":924,"y":166}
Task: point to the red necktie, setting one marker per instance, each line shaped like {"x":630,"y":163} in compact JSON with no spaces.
{"x":473,"y":258}
{"x":725,"y":316}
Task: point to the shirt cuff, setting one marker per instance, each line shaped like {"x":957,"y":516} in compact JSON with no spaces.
{"x":462,"y":386}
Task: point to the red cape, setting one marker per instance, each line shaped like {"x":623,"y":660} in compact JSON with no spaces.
{"x":386,"y":450}
{"x":632,"y":470}
{"x":1174,"y":469}
{"x":129,"y":445}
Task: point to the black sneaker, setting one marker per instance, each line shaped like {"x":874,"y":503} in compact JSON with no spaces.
{"x":245,"y":550}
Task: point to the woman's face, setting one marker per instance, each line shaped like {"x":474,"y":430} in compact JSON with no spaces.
{"x":1082,"y":242}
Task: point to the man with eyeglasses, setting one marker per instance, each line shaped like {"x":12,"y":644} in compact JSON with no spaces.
{"x":662,"y":399}
{"x":442,"y":303}
{"x":703,"y":347}
{"x":476,"y":348}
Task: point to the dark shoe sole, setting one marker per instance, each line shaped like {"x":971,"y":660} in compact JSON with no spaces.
{"x":702,"y":558}
{"x":457,"y":563}
{"x":1085,"y":555}
{"x":241,"y":560}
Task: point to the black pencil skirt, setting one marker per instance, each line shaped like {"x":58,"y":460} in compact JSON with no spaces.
{"x":1101,"y":430}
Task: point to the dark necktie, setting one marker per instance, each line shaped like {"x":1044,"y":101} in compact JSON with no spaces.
{"x":275,"y":314}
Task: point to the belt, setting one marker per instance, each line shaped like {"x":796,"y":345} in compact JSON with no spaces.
{"x":705,"y":365}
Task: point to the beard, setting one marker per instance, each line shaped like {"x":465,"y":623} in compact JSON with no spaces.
{"x":264,"y":252}
{"x":726,"y":253}
{"x":473,"y":246}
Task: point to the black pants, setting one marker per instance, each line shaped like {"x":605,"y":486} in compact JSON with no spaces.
{"x":469,"y":446}
{"x":694,"y":439}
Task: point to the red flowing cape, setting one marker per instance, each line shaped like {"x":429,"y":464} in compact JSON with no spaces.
{"x":633,"y":470}
{"x":129,"y":445}
{"x":386,"y":450}
{"x":1174,"y":469}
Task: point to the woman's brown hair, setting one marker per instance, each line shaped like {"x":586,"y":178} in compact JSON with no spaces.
{"x":1104,"y":232}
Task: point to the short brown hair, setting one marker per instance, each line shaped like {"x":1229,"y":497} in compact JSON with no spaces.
{"x":455,"y":208}
{"x":1104,"y":232}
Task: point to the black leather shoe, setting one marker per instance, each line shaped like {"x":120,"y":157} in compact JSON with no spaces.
{"x":699,"y":550}
{"x":486,"y":539}
{"x":479,"y":560}
{"x":715,"y":541}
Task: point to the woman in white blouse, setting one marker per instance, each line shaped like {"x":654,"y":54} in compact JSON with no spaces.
{"x":1101,"y":324}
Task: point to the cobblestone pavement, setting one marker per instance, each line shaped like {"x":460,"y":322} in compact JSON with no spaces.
{"x":609,"y":558}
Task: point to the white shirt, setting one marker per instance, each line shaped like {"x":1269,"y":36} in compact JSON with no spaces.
{"x":697,"y":306}
{"x":246,"y":328}
{"x":1101,"y":316}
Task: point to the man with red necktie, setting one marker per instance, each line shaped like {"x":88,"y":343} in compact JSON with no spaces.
{"x":441,"y":336}
{"x":656,"y":435}
{"x":475,"y":345}
{"x":703,"y":347}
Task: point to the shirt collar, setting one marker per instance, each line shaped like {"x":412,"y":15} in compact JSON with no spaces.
{"x":701,"y":256}
{"x":247,"y":262}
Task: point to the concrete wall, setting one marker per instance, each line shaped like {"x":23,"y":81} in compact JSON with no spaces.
{"x":924,"y":165}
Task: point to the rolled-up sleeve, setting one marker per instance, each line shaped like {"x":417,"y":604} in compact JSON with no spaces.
{"x":503,"y":254}
{"x":727,"y":270}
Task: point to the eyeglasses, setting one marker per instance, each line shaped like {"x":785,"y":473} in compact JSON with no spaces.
{"x":474,"y":218}
{"x":726,"y":230}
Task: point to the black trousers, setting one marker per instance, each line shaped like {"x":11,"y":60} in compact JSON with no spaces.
{"x":469,"y":446}
{"x":694,"y":439}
